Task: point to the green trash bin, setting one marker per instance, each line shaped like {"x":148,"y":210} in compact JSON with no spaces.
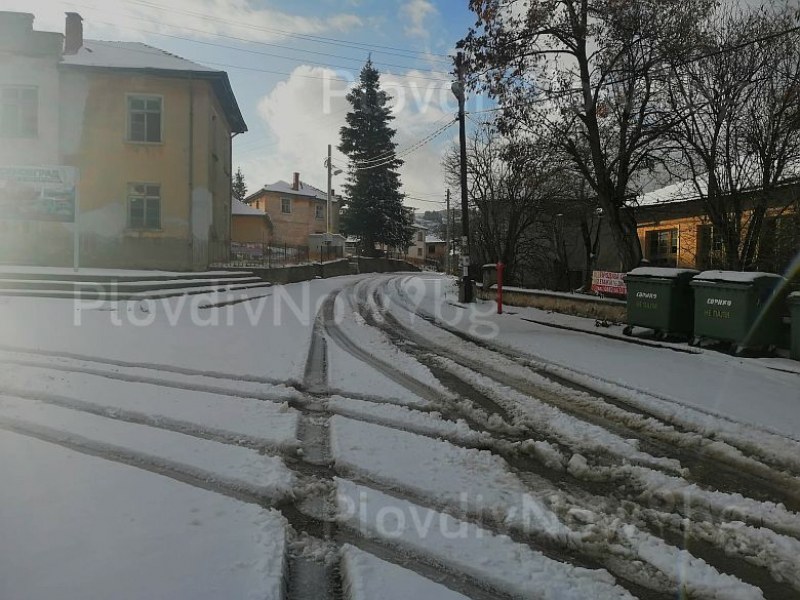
{"x":660,"y":299}
{"x":741,"y":308}
{"x":794,"y":305}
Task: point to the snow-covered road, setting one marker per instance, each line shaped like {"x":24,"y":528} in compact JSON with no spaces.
{"x":367,"y":437}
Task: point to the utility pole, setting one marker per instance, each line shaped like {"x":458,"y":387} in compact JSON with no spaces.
{"x":330,"y":179}
{"x":459,"y":89}
{"x":447,"y":236}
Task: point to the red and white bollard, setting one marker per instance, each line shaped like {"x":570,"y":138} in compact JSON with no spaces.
{"x":500,"y":267}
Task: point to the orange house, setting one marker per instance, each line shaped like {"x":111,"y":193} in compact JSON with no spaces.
{"x":296,"y":211}
{"x":675,"y":231}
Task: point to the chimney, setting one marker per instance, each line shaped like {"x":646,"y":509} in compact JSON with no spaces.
{"x":73,"y":33}
{"x":296,"y":182}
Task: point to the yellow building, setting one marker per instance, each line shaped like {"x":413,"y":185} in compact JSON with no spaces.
{"x":150,"y":135}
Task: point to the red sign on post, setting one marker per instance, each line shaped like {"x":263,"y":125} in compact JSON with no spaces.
{"x":608,"y":282}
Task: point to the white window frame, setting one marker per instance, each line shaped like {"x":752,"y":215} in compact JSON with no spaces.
{"x":319,"y":212}
{"x":132,"y":194}
{"x":18,"y":134}
{"x":144,"y":96}
{"x":288,"y":203}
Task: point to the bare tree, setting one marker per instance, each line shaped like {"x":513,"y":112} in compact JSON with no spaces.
{"x":739,"y":138}
{"x":592,"y":73}
{"x":507,"y":191}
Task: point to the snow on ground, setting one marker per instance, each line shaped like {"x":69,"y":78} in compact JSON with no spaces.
{"x":257,"y":421}
{"x":353,"y":325}
{"x":235,"y":466}
{"x":348,"y":374}
{"x":741,"y":389}
{"x":75,"y":527}
{"x":495,"y":560}
{"x":367,"y":577}
{"x":177,"y":331}
{"x":242,"y":386}
{"x":474,"y":481}
{"x":429,"y":423}
{"x":574,"y":433}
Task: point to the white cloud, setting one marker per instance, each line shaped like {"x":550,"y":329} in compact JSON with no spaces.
{"x":416,"y":13}
{"x":190,"y":18}
{"x":301,"y":123}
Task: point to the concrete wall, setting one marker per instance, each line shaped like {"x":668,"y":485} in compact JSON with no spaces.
{"x":568,"y":304}
{"x":336,"y":268}
{"x":383,"y":265}
{"x":281,"y":275}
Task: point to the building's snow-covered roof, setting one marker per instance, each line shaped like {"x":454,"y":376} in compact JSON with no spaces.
{"x":97,"y":54}
{"x":677,"y":192}
{"x":284,"y":187}
{"x":240,"y":209}
{"x":689,"y":189}
{"x":434,"y":239}
{"x":130,"y":55}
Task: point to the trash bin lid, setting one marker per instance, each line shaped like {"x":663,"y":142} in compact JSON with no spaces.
{"x":662,"y":273}
{"x":794,"y":298}
{"x":741,"y":277}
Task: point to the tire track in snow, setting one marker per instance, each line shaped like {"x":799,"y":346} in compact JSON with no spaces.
{"x":138,"y":365}
{"x":775,"y":590}
{"x":136,"y":378}
{"x":707,"y":465}
{"x":146,"y":462}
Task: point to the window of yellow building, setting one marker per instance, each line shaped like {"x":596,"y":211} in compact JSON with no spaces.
{"x":319,"y":212}
{"x":144,"y":119}
{"x":19,"y":112}
{"x":144,"y":206}
{"x":286,"y":205}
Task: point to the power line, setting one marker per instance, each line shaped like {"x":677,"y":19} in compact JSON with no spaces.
{"x":260,"y":53}
{"x":257,"y":42}
{"x":407,"y":152}
{"x":389,"y":155}
{"x":423,"y":200}
{"x":389,"y":50}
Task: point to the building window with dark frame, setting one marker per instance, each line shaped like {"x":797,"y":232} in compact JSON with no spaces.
{"x":286,"y":205}
{"x":710,"y":248}
{"x":319,"y":211}
{"x":662,"y":247}
{"x":19,"y":111}
{"x":144,"y":206}
{"x":145,"y":119}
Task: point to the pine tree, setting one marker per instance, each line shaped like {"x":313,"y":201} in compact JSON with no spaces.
{"x":374,"y":203}
{"x":239,"y":187}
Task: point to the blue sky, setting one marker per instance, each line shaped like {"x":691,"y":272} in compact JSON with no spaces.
{"x":289,"y":64}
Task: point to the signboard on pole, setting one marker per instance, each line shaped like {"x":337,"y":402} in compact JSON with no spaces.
{"x":610,"y":283}
{"x":38,"y":193}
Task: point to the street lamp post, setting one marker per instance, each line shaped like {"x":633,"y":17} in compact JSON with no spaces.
{"x":459,"y":91}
